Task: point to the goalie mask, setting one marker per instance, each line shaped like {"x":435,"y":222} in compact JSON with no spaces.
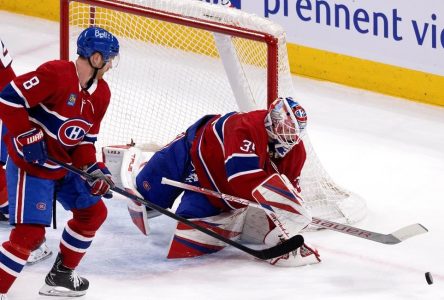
{"x":285,"y":124}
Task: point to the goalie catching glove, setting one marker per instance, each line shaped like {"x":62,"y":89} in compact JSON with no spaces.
{"x":284,"y":206}
{"x":101,"y":181}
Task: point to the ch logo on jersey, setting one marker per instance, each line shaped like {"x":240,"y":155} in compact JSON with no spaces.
{"x":146,"y":185}
{"x":72,"y":132}
{"x":41,"y":206}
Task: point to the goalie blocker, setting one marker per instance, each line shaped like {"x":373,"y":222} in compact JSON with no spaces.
{"x":248,"y":224}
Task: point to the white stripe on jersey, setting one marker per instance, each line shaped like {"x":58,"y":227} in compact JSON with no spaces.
{"x":71,"y":247}
{"x":21,"y":184}
{"x":78,"y":236}
{"x":10,"y":103}
{"x":46,"y":130}
{"x":240,"y":155}
{"x":53,"y":112}
{"x":243,"y":173}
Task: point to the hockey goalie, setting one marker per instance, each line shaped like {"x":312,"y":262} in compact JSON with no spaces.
{"x":256,"y":156}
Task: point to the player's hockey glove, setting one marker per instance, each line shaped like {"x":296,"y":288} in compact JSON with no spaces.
{"x":102,"y":182}
{"x":32,"y":144}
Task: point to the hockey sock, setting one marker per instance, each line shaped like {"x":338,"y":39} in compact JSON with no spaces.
{"x":79,"y":233}
{"x":14,"y":253}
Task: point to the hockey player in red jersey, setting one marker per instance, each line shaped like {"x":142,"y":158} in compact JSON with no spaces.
{"x":56,"y":110}
{"x":6,"y":75}
{"x":256,"y":156}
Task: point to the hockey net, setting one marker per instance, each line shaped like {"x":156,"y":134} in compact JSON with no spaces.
{"x":182,"y":59}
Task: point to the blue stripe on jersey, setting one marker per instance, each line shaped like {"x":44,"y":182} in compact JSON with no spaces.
{"x":89,"y":138}
{"x":15,"y":266}
{"x":75,"y":242}
{"x":237,"y":164}
{"x":219,"y":126}
{"x":51,"y":121}
{"x":10,"y":97}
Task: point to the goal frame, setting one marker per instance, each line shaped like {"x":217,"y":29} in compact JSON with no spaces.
{"x":324,"y":197}
{"x":270,"y":41}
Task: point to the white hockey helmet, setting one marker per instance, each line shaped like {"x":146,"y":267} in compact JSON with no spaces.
{"x":285,"y":123}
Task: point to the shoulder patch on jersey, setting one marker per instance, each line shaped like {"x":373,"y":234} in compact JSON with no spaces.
{"x":72,"y":99}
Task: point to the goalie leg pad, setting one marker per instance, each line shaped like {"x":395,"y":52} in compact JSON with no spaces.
{"x":140,"y":214}
{"x":257,"y":226}
{"x":189,"y":242}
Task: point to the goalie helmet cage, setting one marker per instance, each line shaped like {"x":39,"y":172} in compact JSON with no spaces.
{"x":182,"y":59}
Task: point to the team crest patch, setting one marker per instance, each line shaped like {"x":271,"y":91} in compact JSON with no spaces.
{"x":72,"y":100}
{"x":146,"y":185}
{"x":41,"y":206}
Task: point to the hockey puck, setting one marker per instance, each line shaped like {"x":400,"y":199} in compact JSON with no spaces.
{"x":429,"y":278}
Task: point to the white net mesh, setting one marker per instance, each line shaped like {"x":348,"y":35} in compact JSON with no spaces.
{"x":169,"y":75}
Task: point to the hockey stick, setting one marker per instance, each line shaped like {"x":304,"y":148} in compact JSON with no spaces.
{"x":267,"y":253}
{"x":389,"y":239}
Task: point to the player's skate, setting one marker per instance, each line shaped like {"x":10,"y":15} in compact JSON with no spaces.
{"x":41,"y":253}
{"x":63,"y":282}
{"x":3,"y":297}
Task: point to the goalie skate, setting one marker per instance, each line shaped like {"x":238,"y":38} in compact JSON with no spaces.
{"x":63,"y":282}
{"x":41,"y":253}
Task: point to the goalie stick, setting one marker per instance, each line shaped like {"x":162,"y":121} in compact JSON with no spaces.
{"x":264,"y":254}
{"x":389,"y":239}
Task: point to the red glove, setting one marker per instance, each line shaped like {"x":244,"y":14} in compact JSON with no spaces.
{"x":102,"y":180}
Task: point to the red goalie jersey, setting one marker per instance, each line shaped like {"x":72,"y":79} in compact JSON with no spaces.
{"x":232,"y":154}
{"x":50,"y":98}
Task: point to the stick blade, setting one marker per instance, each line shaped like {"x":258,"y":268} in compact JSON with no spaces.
{"x":407,"y":232}
{"x":287,"y":246}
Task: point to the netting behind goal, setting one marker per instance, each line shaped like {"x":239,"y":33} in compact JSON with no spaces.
{"x":181,"y":59}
